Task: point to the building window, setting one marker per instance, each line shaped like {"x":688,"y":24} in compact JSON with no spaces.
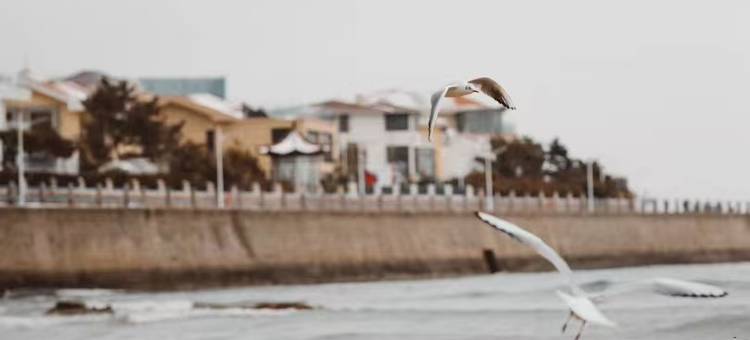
{"x":396,"y":122}
{"x":398,"y":159}
{"x":313,"y":137}
{"x":480,"y":121}
{"x":326,"y":141}
{"x":210,"y":140}
{"x":42,"y":119}
{"x":344,"y":123}
{"x":39,"y":118}
{"x":278,"y":134}
{"x":461,"y":121}
{"x":425,"y":163}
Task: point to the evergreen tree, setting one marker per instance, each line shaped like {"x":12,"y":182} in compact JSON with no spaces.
{"x":526,"y":167}
{"x":118,"y":124}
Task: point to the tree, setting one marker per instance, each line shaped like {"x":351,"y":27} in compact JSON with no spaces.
{"x":39,"y":139}
{"x":241,"y":168}
{"x":527,"y":168}
{"x":118,"y":124}
{"x":250,"y":112}
{"x":557,"y":156}
{"x":519,"y":158}
{"x":193,"y":162}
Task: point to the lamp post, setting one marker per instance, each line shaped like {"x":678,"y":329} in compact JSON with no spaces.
{"x":489,"y":202}
{"x":219,"y":152}
{"x":590,"y":185}
{"x":361,"y":171}
{"x":489,"y":199}
{"x":20,"y":161}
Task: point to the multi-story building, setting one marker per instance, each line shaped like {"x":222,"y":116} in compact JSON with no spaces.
{"x":56,"y":104}
{"x":203,"y":115}
{"x":468,"y":124}
{"x":390,"y":139}
{"x":390,"y":126}
{"x":59,"y":103}
{"x":473,"y":115}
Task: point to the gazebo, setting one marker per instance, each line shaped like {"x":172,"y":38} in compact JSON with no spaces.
{"x":296,"y":161}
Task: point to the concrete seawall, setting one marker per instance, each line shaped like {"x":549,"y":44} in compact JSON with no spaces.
{"x":160,"y":249}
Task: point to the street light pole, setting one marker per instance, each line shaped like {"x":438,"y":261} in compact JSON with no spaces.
{"x":489,"y":202}
{"x":219,"y":151}
{"x":590,"y":185}
{"x":489,"y":194}
{"x":361,"y":171}
{"x":20,"y":161}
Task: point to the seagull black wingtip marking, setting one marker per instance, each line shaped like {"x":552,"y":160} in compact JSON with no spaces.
{"x":702,"y":296}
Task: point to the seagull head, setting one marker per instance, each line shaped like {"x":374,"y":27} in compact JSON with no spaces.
{"x":471,"y":88}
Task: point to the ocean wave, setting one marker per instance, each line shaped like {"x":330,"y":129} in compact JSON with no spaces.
{"x":36,"y":321}
{"x":140,"y":311}
{"x":85,"y":293}
{"x":154,"y":311}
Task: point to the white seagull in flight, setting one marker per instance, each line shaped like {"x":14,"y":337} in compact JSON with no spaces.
{"x":483,"y":84}
{"x":581,"y":304}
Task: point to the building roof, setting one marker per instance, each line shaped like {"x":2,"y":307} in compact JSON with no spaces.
{"x":66,"y":92}
{"x":214,"y":108}
{"x":219,"y":104}
{"x":69,"y":91}
{"x":397,"y":97}
{"x":87,"y":79}
{"x":361,"y":108}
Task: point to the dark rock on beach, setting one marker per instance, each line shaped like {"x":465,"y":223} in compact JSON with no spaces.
{"x":76,"y":308}
{"x":254,"y":305}
{"x":283,"y":305}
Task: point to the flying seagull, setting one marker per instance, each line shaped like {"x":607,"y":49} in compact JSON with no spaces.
{"x":484,"y":84}
{"x":582,"y":305}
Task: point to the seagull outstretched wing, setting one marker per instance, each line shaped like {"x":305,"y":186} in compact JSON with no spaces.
{"x":435,"y":101}
{"x":494,"y":90}
{"x":522,"y":236}
{"x":663,"y":286}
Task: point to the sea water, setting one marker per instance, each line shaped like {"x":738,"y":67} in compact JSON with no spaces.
{"x":500,"y":306}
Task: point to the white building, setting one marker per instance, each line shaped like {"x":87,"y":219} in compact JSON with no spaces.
{"x":392,"y":138}
{"x":394,"y":143}
{"x":390,"y":126}
{"x":20,"y":98}
{"x":9,"y":89}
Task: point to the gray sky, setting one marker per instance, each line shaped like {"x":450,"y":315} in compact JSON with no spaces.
{"x":655,"y":89}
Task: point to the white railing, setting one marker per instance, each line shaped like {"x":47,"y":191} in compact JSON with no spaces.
{"x":134,"y":195}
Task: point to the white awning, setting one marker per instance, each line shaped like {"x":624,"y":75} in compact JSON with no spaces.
{"x":133,"y":166}
{"x":292,"y":144}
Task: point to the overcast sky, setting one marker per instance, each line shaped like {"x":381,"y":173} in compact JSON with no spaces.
{"x":658,"y":90}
